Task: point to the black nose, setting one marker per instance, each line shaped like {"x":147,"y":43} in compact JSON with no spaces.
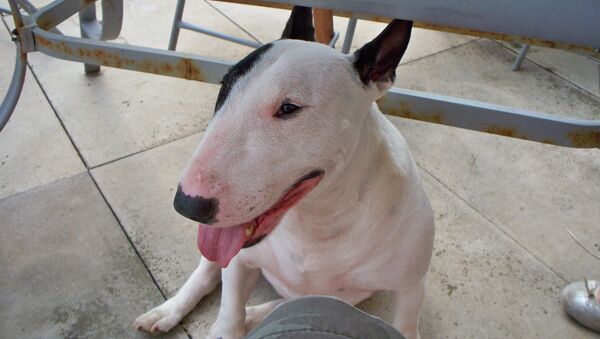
{"x":200,"y":209}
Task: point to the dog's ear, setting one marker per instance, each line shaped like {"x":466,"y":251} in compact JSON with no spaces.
{"x":377,"y":60}
{"x":300,"y":25}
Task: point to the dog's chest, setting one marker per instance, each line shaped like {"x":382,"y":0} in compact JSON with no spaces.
{"x":303,"y":270}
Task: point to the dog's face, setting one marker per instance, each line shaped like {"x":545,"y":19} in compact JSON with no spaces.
{"x":287,"y":117}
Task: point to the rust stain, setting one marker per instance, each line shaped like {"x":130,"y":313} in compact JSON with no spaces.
{"x":61,"y":46}
{"x":503,"y":130}
{"x":43,"y":42}
{"x":189,"y":70}
{"x":587,"y":139}
{"x":404,"y":111}
{"x":548,"y":141}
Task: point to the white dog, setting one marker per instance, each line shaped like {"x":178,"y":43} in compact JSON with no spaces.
{"x":301,"y":177}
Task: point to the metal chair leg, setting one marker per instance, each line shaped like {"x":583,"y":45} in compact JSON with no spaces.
{"x":349,"y":35}
{"x":176,"y":25}
{"x":522,"y":53}
{"x":108,"y":29}
{"x":18,"y":78}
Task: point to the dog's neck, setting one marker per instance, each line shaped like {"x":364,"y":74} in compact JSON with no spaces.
{"x":361,"y":190}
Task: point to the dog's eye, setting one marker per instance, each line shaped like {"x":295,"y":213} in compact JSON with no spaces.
{"x":286,"y":111}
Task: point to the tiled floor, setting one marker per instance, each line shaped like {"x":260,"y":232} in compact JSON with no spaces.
{"x":89,"y":164}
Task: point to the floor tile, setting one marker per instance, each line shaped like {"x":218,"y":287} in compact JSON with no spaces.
{"x":534,"y":192}
{"x":574,"y":67}
{"x":34,"y":149}
{"x":66,"y":268}
{"x":483,"y":285}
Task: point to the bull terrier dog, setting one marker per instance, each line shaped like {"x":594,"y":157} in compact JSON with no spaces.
{"x":300,"y":177}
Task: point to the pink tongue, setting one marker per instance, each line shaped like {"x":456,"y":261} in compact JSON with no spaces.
{"x":221,"y":244}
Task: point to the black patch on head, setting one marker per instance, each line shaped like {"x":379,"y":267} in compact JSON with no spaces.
{"x":200,"y":209}
{"x":237,"y":71}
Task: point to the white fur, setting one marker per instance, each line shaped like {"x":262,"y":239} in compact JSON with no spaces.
{"x":367,"y":226}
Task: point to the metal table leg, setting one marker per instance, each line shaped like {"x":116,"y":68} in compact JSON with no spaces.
{"x":18,"y":78}
{"x":175,"y":28}
{"x":349,"y":35}
{"x":522,"y":53}
{"x":91,"y":28}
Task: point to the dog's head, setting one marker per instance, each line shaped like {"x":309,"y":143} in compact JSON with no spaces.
{"x":286,"y":118}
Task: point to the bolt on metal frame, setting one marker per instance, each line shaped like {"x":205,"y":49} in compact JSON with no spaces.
{"x":36,"y":32}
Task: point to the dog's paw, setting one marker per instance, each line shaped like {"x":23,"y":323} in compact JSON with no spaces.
{"x":160,"y":319}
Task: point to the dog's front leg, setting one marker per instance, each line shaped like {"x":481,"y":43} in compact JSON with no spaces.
{"x":164,"y":317}
{"x":408,"y":302}
{"x":238,"y":281}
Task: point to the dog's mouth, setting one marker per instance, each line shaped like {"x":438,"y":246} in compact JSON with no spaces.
{"x":222,"y":244}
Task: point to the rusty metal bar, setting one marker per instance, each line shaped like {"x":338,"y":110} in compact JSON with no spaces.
{"x":134,"y":58}
{"x":495,"y":119}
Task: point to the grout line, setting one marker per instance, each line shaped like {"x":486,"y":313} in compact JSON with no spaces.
{"x":439,"y":52}
{"x":135,"y":250}
{"x":126,"y":235}
{"x":112,"y":211}
{"x":547,"y":69}
{"x":58,"y":117}
{"x":94,"y":180}
{"x":162,"y":143}
{"x":494,"y":224}
{"x":233,"y":22}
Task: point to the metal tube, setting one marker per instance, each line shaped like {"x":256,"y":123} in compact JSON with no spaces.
{"x":199,"y":29}
{"x":16,"y":14}
{"x":27,"y":6}
{"x":56,"y":12}
{"x":4,"y":10}
{"x":522,"y":53}
{"x":334,"y":39}
{"x":598,"y":76}
{"x":16,"y":85}
{"x":175,"y":27}
{"x":89,"y":28}
{"x":349,"y":35}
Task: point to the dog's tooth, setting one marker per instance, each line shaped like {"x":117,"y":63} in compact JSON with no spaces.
{"x":249,"y":230}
